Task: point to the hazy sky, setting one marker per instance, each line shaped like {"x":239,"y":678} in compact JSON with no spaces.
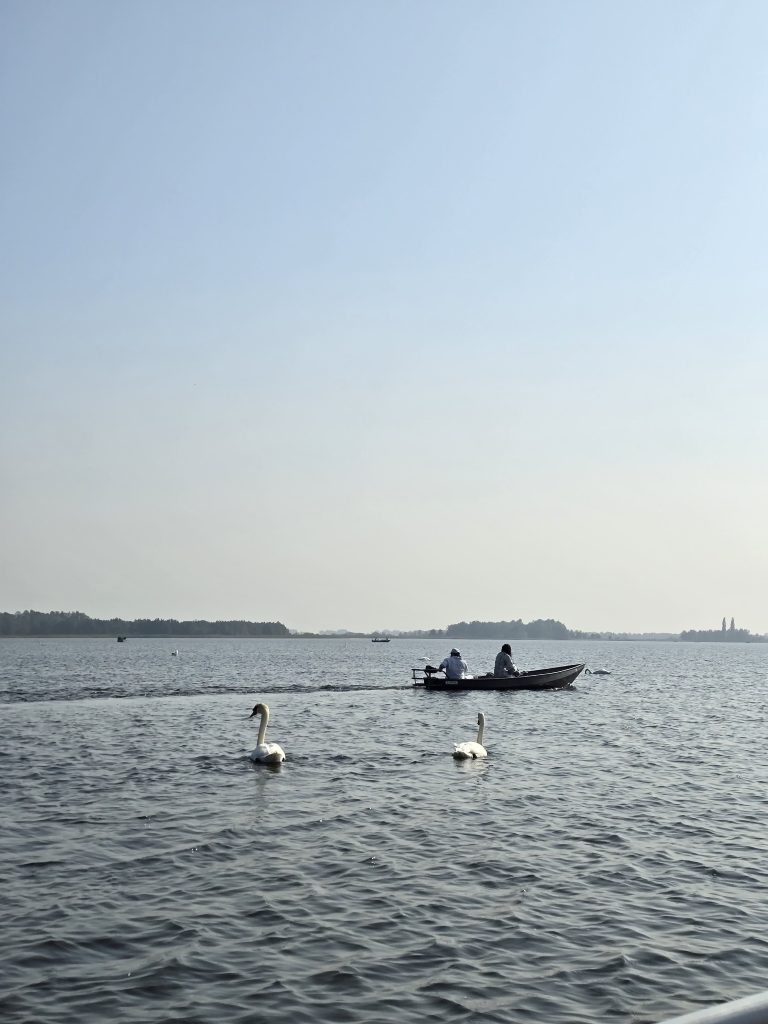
{"x":385,"y":314}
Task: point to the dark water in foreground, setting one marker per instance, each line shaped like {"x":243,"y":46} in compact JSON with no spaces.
{"x":607,"y":862}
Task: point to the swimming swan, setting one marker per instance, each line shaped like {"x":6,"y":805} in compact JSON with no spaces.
{"x":265,"y":753}
{"x":473,"y":749}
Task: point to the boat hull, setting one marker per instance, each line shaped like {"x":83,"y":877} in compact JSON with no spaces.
{"x":538,"y":679}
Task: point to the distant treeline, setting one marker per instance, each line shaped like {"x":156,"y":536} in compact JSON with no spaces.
{"x":726,"y":634}
{"x":31,"y":623}
{"x":516,"y":629}
{"x":723,"y":636}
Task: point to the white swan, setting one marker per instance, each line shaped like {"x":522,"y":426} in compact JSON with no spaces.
{"x":473,"y":748}
{"x":265,"y":753}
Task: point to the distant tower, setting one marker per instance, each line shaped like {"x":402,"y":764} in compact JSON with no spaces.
{"x":723,"y":625}
{"x":733,"y":625}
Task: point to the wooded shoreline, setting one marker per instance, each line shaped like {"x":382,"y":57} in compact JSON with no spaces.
{"x":31,"y":624}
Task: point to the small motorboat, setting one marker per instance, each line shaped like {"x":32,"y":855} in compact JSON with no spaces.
{"x":122,"y":639}
{"x":380,"y":640}
{"x":537,"y":679}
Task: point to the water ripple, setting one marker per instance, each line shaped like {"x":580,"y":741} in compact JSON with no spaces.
{"x":605,"y":862}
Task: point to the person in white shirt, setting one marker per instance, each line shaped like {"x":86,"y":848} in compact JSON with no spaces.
{"x":504,"y":666}
{"x":454,"y":666}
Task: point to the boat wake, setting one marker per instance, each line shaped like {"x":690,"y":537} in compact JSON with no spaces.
{"x":110,"y":693}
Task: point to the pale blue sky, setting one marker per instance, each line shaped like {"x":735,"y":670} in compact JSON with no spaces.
{"x":383,"y":315}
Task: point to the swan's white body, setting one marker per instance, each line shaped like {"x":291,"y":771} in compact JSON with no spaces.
{"x":472,"y":748}
{"x":265,"y":753}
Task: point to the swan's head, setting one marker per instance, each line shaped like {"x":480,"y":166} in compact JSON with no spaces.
{"x":258,"y":709}
{"x":480,"y":718}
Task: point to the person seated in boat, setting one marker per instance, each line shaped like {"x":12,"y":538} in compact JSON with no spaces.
{"x":504,"y":666}
{"x":454,"y":666}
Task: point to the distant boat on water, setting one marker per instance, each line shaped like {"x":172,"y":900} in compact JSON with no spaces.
{"x":380,"y":639}
{"x":122,"y":639}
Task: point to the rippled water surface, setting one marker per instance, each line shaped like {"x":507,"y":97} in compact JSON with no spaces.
{"x":607,"y":862}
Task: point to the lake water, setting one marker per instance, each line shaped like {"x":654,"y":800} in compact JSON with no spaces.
{"x":607,"y":862}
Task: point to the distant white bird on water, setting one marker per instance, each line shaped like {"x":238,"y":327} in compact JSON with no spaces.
{"x":265,"y":753}
{"x":174,"y":653}
{"x":472,"y":748}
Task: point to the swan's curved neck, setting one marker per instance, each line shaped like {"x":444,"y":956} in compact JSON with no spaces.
{"x":480,"y":727}
{"x":263,"y":725}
